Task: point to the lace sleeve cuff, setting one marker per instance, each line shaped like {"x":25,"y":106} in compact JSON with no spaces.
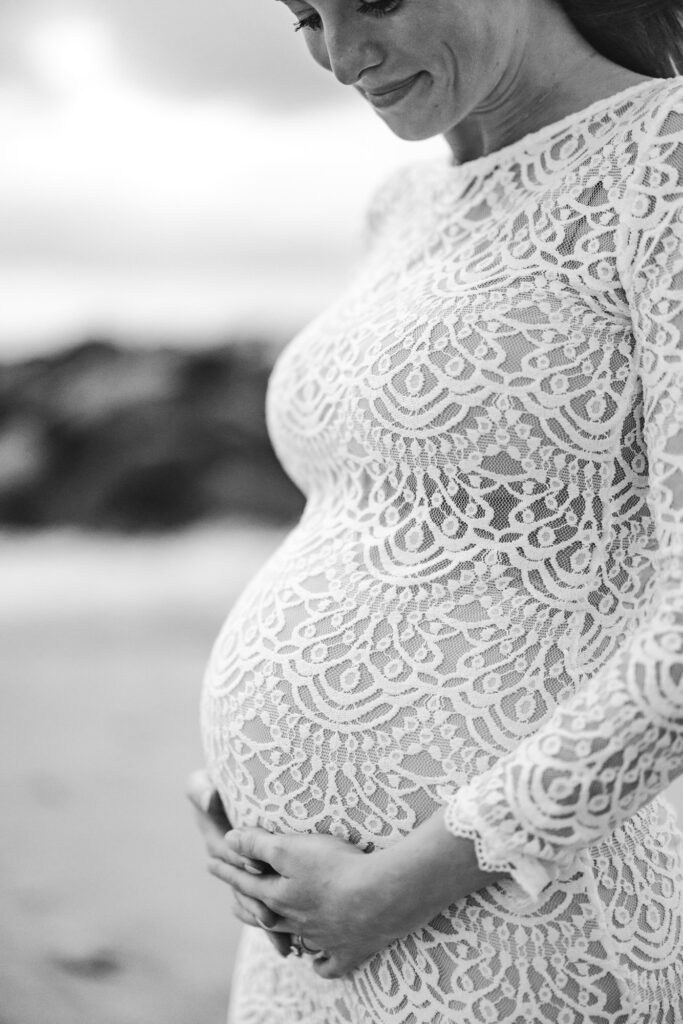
{"x":495,"y":846}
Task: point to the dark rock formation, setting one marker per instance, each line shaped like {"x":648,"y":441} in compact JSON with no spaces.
{"x":108,"y":437}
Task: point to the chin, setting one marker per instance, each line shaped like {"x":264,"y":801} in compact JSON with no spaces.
{"x":413,"y":131}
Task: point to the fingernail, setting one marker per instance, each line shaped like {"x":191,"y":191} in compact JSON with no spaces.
{"x":251,"y":868}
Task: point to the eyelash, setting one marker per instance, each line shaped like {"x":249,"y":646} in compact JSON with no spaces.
{"x":377,"y":10}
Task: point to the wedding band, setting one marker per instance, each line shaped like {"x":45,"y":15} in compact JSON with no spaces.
{"x":307,"y":949}
{"x":299,"y":947}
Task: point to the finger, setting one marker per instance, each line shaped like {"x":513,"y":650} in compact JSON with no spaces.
{"x":208,"y":828}
{"x":216,"y":811}
{"x":205,"y":825}
{"x":263,"y":914}
{"x":202,"y":793}
{"x":220,"y":850}
{"x":264,"y":888}
{"x":244,"y":916}
{"x":258,"y":845}
{"x":198,"y":789}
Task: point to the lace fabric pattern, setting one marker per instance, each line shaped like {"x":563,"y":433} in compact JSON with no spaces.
{"x":482,"y":605}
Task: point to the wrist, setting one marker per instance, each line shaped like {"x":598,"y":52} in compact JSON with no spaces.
{"x":419,"y":877}
{"x":371,"y":890}
{"x":391,"y":903}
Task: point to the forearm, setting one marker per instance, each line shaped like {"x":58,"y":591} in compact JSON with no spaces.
{"x":427,"y":872}
{"x":606,"y":752}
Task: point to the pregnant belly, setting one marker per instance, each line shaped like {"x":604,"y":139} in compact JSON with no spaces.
{"x":334,"y":704}
{"x":330,"y":748}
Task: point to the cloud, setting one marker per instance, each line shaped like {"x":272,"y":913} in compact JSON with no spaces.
{"x":148,"y":216}
{"x":53,"y":306}
{"x":198,"y":176}
{"x":132,"y":210}
{"x":204,"y":47}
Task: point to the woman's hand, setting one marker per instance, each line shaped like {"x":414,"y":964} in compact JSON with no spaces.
{"x":317,"y":888}
{"x":342,"y":902}
{"x":213,"y":824}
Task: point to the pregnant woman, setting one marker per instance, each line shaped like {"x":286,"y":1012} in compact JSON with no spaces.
{"x":442,"y":717}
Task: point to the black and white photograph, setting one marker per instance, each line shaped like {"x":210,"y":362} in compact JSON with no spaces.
{"x":341,"y":512}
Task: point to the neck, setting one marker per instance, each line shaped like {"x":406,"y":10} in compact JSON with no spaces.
{"x":554,"y":73}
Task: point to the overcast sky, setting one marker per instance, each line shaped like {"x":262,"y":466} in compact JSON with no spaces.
{"x":174,"y":169}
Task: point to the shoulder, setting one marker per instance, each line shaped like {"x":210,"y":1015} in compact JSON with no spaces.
{"x":652,"y":210}
{"x":655,"y":188}
{"x":655,"y":115}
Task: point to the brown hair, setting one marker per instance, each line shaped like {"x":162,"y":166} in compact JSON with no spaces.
{"x":643,"y":35}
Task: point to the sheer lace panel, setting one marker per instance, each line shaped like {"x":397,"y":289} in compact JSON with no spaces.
{"x":481,"y":605}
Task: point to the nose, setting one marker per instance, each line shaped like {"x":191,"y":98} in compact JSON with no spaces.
{"x":350,"y":49}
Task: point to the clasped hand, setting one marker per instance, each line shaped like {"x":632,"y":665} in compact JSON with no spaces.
{"x":314,"y":886}
{"x":336,"y":898}
{"x":311,"y":886}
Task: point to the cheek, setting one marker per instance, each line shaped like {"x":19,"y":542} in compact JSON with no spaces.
{"x":315,"y":43}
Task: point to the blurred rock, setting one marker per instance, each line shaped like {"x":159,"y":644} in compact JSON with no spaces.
{"x":22,"y":453}
{"x":107,"y":437}
{"x":85,"y":957}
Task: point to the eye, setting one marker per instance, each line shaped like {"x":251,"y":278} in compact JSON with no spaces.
{"x":378,"y":9}
{"x":312,"y":21}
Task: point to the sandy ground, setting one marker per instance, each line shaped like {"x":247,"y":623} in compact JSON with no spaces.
{"x":107,"y":915}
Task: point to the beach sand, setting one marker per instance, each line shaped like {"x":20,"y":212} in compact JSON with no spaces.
{"x":107,"y":913}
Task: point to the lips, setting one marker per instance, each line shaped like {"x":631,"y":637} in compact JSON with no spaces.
{"x":394,"y":92}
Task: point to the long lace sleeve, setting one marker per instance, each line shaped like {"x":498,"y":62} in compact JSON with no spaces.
{"x":618,"y":740}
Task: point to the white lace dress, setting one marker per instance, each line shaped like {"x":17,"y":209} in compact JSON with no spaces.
{"x":482,"y":605}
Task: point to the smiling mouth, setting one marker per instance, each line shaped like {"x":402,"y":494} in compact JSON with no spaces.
{"x":390,"y":94}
